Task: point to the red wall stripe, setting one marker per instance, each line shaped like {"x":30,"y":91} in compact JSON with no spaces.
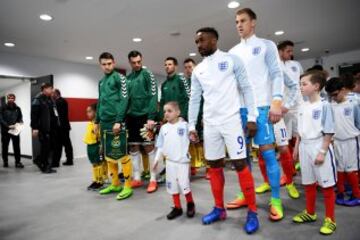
{"x":77,"y":108}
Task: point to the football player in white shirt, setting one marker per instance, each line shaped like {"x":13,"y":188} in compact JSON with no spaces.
{"x":346,"y":140}
{"x":318,"y":168}
{"x":262,"y":63}
{"x":221,"y":79}
{"x":173,"y":145}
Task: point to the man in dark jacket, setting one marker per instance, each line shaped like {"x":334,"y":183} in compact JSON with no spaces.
{"x":63,"y":136}
{"x":44,"y":124}
{"x":10,"y":114}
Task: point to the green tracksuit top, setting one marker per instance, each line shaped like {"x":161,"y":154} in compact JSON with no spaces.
{"x":175,"y":88}
{"x":143,"y":94}
{"x":113,"y":98}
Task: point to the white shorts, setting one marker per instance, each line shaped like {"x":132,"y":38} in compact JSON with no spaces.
{"x":347,"y":154}
{"x":291,"y":123}
{"x":177,"y":177}
{"x":229,"y":135}
{"x":324,"y":174}
{"x":280,"y":130}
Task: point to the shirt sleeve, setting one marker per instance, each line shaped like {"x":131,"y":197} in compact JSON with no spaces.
{"x":20,"y":116}
{"x":122,"y":106}
{"x":153,"y":90}
{"x":184,"y":97}
{"x":35,"y":114}
{"x":327,"y":121}
{"x":2,"y":121}
{"x":97,"y":117}
{"x":246,"y":88}
{"x":294,"y":91}
{"x":194,"y":103}
{"x":272,"y":61}
{"x":357,"y":115}
{"x":161,"y":104}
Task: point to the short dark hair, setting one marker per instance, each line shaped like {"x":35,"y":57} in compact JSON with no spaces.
{"x":189,"y":60}
{"x":11,"y":95}
{"x":249,"y":12}
{"x":106,"y":55}
{"x":175,"y":61}
{"x":317,"y":67}
{"x":57,"y":91}
{"x":282,"y":45}
{"x":93,"y":106}
{"x":209,"y":30}
{"x":334,"y":84}
{"x":348,"y":80}
{"x":316,"y":77}
{"x":133,"y":54}
{"x":45,"y":85}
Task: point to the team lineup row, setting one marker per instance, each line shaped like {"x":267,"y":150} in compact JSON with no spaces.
{"x":220,"y":105}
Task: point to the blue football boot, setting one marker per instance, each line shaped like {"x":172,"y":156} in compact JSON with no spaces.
{"x":215,"y":215}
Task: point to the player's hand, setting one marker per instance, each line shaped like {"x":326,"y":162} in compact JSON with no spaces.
{"x":35,"y":133}
{"x":150,"y":124}
{"x":96,"y":129}
{"x":320,"y":158}
{"x":12,"y":127}
{"x":275,"y":112}
{"x":251,"y":129}
{"x":116,"y":128}
{"x":284,"y":110}
{"x":194,"y":137}
{"x":295,"y":154}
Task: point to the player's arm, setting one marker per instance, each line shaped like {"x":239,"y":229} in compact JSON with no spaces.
{"x":161,"y":104}
{"x":357,"y":116}
{"x":122,"y":105}
{"x":247,"y":91}
{"x":97,"y":117}
{"x":328,"y":125}
{"x":185,"y":95}
{"x":194,"y":106}
{"x":294,"y":91}
{"x":159,"y":152}
{"x":296,"y":147}
{"x":272,"y":60}
{"x":152,"y":89}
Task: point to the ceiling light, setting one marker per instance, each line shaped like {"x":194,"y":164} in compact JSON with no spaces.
{"x":233,"y":4}
{"x":9,"y":44}
{"x":305,"y":49}
{"x":137,"y":39}
{"x":89,"y":58}
{"x":192,"y":54}
{"x":46,"y":17}
{"x":278,"y":33}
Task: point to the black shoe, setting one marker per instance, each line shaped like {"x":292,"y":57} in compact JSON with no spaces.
{"x":92,"y":186}
{"x":68,"y":163}
{"x":190,"y":211}
{"x":19,"y":165}
{"x":6,"y":165}
{"x":55,"y":165}
{"x":98,"y":186}
{"x":175,"y":212}
{"x":49,"y":170}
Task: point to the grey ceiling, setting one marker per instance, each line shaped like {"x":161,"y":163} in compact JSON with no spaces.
{"x":88,"y":27}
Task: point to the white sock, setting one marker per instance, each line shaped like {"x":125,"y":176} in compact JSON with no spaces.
{"x":151,"y":161}
{"x":136,"y":160}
